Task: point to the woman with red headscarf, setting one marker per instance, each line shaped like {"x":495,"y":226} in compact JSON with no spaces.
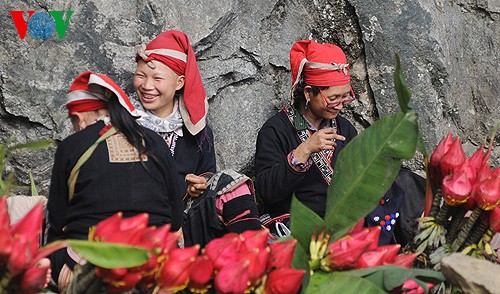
{"x":110,"y":164}
{"x":297,"y":148}
{"x":173,"y":102}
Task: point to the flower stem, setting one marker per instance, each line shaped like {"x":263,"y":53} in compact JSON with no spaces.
{"x":435,"y":203}
{"x":477,"y":232}
{"x":464,"y":232}
{"x":456,"y":220}
{"x":441,"y":216}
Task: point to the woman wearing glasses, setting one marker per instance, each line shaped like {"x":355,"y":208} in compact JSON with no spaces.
{"x":297,"y":148}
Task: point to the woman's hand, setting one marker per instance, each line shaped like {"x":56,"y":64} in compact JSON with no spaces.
{"x":324,"y":139}
{"x":196,"y":185}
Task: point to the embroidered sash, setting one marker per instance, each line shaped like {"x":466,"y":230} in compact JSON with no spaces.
{"x":319,"y":158}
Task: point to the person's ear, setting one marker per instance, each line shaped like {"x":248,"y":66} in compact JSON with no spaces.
{"x":307,"y":92}
{"x":78,"y":121}
{"x":180,"y":82}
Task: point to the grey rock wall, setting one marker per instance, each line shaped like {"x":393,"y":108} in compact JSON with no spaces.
{"x":449,"y":52}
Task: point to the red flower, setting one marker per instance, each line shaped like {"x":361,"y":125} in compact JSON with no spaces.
{"x":29,"y":228}
{"x":476,"y":160}
{"x":456,"y":188}
{"x":5,"y":240}
{"x":435,"y":160}
{"x":487,"y":193}
{"x":224,"y":250}
{"x":281,"y":254}
{"x":255,"y":239}
{"x":412,"y":287}
{"x":201,"y":273}
{"x":124,"y":284}
{"x":32,"y":280}
{"x":494,"y":219}
{"x":370,"y":259}
{"x":20,"y":256}
{"x":233,"y":278}
{"x":453,"y":158}
{"x":405,"y":260}
{"x":174,"y":274}
{"x":284,"y":281}
{"x":344,"y":253}
{"x":371,"y":233}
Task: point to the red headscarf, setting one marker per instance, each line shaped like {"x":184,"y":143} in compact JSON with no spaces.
{"x":90,"y":91}
{"x":174,"y":50}
{"x":322,"y":64}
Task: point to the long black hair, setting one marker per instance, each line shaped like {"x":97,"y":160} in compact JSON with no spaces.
{"x":124,"y":122}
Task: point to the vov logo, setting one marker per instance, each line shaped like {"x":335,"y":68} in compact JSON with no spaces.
{"x":41,"y":25}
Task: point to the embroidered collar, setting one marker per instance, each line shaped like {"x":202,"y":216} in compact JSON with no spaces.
{"x":171,"y":123}
{"x":301,"y":123}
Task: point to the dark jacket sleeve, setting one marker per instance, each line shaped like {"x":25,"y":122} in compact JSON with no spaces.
{"x":58,"y":201}
{"x":207,"y":161}
{"x":275,"y":179}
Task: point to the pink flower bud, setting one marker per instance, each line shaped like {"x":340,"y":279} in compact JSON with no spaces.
{"x":453,"y":158}
{"x":284,"y":281}
{"x":476,"y":160}
{"x":255,"y":239}
{"x":201,"y":273}
{"x":29,"y":228}
{"x":370,"y":233}
{"x":456,"y":188}
{"x":405,"y":260}
{"x":20,"y":256}
{"x":126,"y":283}
{"x":370,"y":259}
{"x":344,"y":253}
{"x":441,"y":149}
{"x":487,"y":193}
{"x":5,"y":240}
{"x":224,"y":250}
{"x":412,"y":287}
{"x":174,"y":274}
{"x":494,"y":219}
{"x":233,"y":278}
{"x":32,"y":280}
{"x":281,"y":254}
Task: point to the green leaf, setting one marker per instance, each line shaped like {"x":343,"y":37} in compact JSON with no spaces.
{"x":303,"y":222}
{"x":403,"y":92}
{"x":366,"y":168}
{"x":34,"y":191}
{"x":33,"y":145}
{"x":340,"y":282}
{"x":110,"y":255}
{"x":389,"y":277}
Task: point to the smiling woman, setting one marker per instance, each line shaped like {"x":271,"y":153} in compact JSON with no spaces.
{"x":297,"y":148}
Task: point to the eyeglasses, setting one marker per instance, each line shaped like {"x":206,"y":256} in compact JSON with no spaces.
{"x":336,"y":100}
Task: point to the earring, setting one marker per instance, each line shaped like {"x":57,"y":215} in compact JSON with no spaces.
{"x":307,"y":102}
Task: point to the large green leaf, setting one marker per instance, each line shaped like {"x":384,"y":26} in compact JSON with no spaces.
{"x":366,"y":168}
{"x":340,"y":282}
{"x":303,"y":222}
{"x":403,"y":92}
{"x":110,"y":255}
{"x":404,"y":99}
{"x":33,"y":145}
{"x":389,"y":277}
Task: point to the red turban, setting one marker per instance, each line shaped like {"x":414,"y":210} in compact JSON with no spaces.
{"x":90,"y":91}
{"x":322,"y":64}
{"x":174,"y":50}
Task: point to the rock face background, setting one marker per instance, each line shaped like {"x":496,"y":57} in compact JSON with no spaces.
{"x":449,"y":52}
